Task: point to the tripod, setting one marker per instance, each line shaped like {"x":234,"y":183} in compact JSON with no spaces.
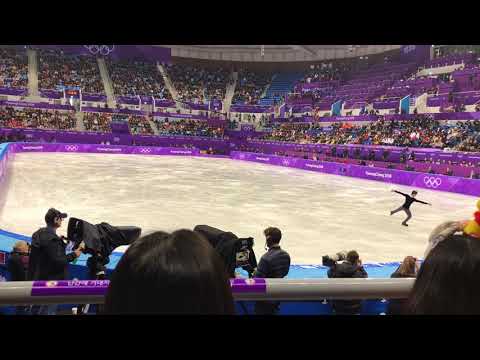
{"x":96,"y":270}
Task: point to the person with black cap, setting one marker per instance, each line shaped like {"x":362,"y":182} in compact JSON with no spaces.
{"x":48,"y":258}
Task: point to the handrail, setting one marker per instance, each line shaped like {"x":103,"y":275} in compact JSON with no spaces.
{"x":93,"y":291}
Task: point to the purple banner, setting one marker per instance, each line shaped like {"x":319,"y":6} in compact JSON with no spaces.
{"x":41,"y":105}
{"x":128,"y":100}
{"x":421,"y":180}
{"x":421,"y":154}
{"x":51,"y":94}
{"x":94,"y":97}
{"x":248,"y":285}
{"x":100,"y":287}
{"x":211,"y":121}
{"x":395,"y":117}
{"x":69,"y":287}
{"x":164,"y":103}
{"x":216,"y":105}
{"x":13,"y":91}
{"x":104,"y":149}
{"x":250,"y":109}
{"x":247,"y":127}
{"x":116,"y":52}
{"x":415,"y":53}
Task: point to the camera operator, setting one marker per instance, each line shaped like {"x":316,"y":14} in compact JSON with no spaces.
{"x":350,"y":268}
{"x":48,"y":258}
{"x":274,"y":264}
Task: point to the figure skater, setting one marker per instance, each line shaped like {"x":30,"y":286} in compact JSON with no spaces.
{"x":406,"y":205}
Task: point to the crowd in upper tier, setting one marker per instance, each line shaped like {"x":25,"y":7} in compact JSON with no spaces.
{"x":13,"y":68}
{"x":419,"y":132}
{"x":134,"y":77}
{"x":35,"y":118}
{"x":250,"y":86}
{"x":199,"y":85}
{"x":58,"y":69}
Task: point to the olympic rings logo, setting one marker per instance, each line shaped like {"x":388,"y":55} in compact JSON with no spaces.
{"x":145,"y":150}
{"x":433,"y":182}
{"x":286,"y":162}
{"x":71,"y":147}
{"x":100,"y":49}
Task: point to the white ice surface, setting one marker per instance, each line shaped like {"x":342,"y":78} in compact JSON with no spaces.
{"x":317,"y":213}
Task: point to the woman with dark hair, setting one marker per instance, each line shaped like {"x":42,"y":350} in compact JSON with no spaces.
{"x":178,"y":273}
{"x":447,"y":282}
{"x":407,"y":269}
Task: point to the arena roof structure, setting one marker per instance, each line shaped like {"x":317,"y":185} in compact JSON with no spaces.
{"x":276,"y":53}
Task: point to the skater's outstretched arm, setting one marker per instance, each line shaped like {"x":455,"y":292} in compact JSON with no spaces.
{"x":398,"y":192}
{"x":422,"y":202}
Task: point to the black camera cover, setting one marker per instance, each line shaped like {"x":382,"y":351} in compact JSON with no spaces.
{"x":102,"y":238}
{"x":235,"y":252}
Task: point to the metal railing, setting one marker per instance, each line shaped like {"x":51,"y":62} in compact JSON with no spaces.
{"x":93,"y":291}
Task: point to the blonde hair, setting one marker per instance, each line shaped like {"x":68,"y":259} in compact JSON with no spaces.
{"x":19,"y":245}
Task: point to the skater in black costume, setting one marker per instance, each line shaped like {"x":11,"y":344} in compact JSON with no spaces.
{"x":409,"y":200}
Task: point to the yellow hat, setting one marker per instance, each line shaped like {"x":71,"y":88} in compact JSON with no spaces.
{"x":473,"y":226}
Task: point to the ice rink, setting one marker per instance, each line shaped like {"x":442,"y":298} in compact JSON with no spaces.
{"x":318,"y":214}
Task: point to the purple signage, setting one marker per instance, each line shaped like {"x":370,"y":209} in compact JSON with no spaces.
{"x":13,"y":91}
{"x":100,"y":287}
{"x":116,"y":52}
{"x":41,"y":105}
{"x":421,"y":180}
{"x":248,"y":285}
{"x":69,"y":287}
{"x":104,"y":149}
{"x":396,"y":117}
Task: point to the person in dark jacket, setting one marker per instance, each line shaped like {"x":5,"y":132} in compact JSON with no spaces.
{"x":48,"y":258}
{"x":407,"y":269}
{"x":274,"y":264}
{"x":17,"y":266}
{"x":409,"y":200}
{"x":351,"y":268}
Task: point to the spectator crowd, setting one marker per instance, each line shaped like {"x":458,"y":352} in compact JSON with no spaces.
{"x":97,"y":122}
{"x":422,"y":131}
{"x":59,"y":69}
{"x":250,"y":86}
{"x":199,"y":85}
{"x":35,"y":118}
{"x":186,"y":127}
{"x":137,"y":78}
{"x":13,"y":68}
{"x":140,"y":125}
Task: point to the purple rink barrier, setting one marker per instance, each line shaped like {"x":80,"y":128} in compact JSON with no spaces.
{"x":69,"y":137}
{"x":104,"y":149}
{"x":100,"y":287}
{"x":69,"y":287}
{"x":407,"y":178}
{"x":395,"y":117}
{"x":41,"y":105}
{"x":420,"y":153}
{"x":13,"y":91}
